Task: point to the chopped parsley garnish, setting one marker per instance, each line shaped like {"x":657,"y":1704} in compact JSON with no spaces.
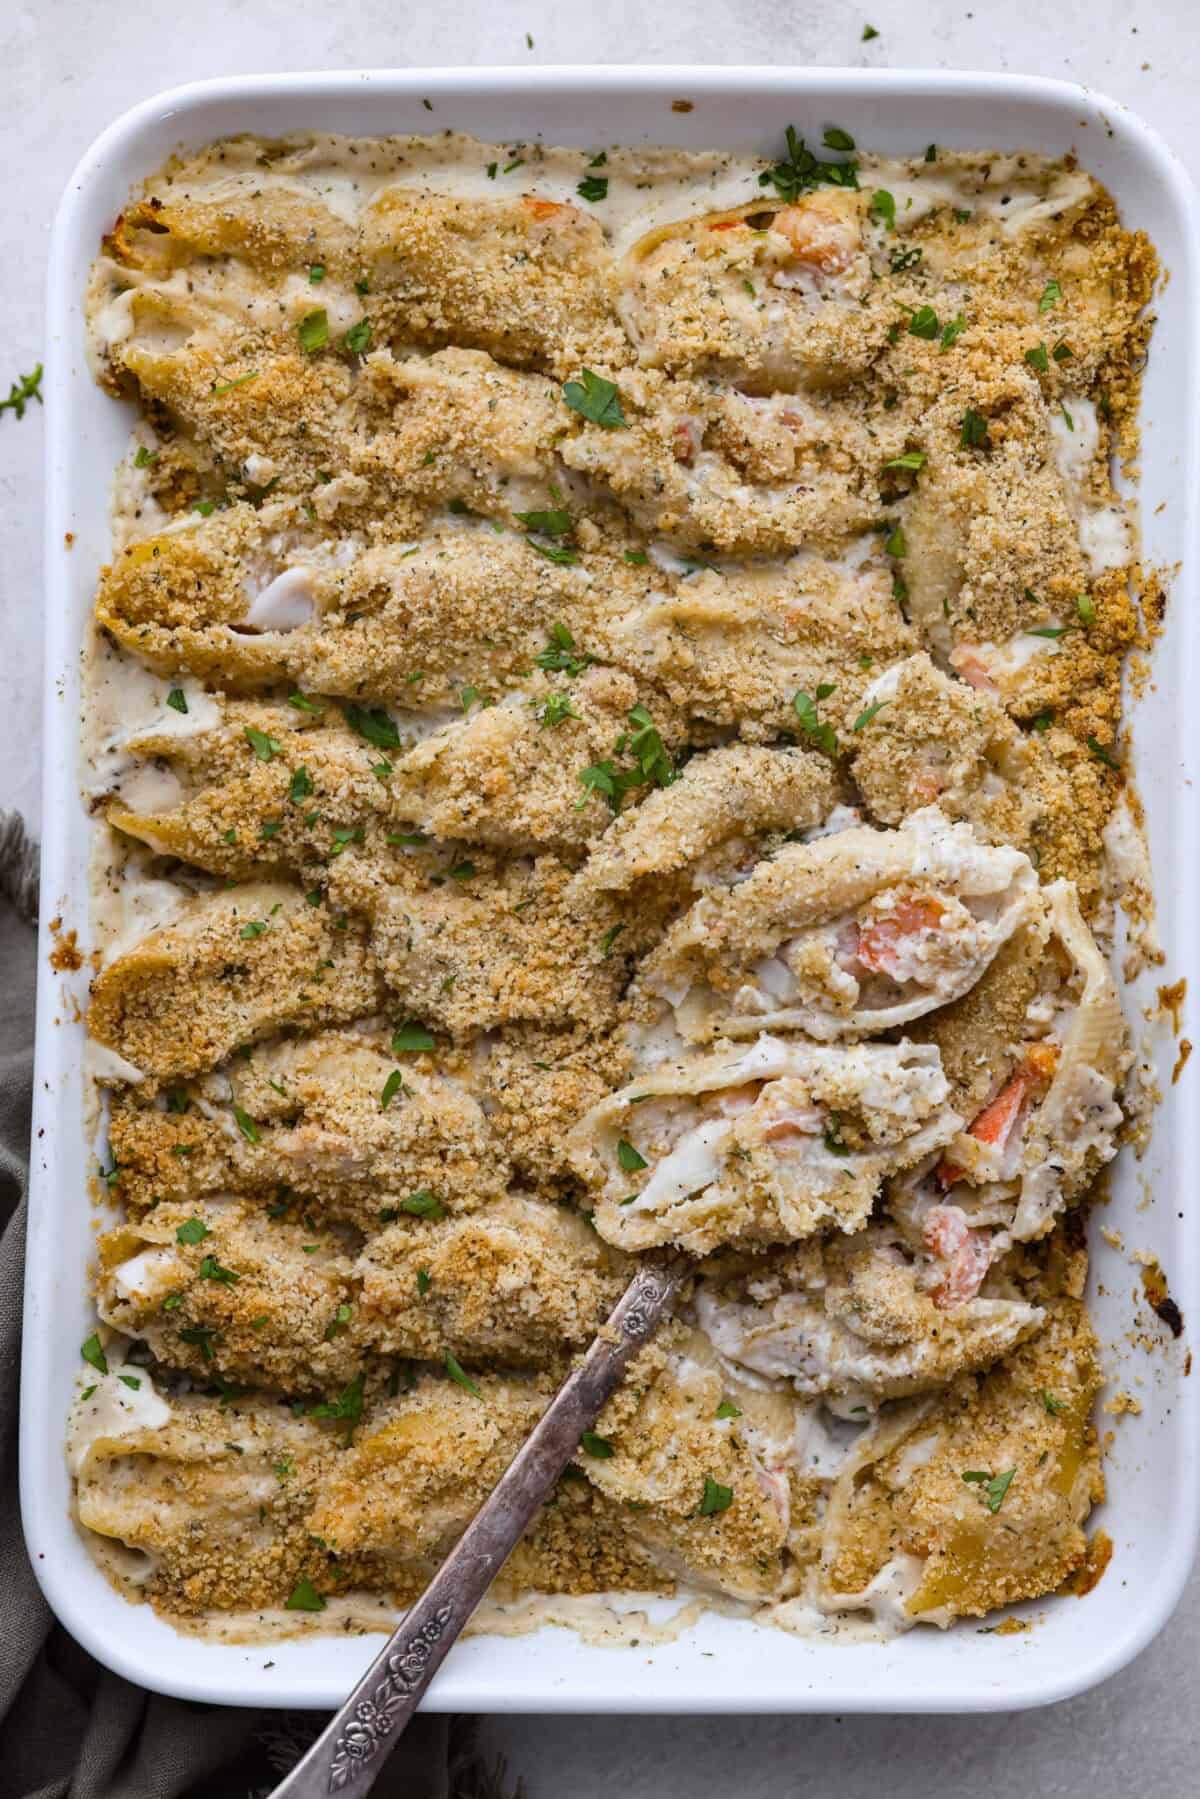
{"x":1055,"y":1407}
{"x":595,"y":1445}
{"x":92,"y":1352}
{"x":201,"y":1337}
{"x":316,"y":273}
{"x":455,"y":1370}
{"x":912,"y":460}
{"x":391,"y":1087}
{"x":953,"y":330}
{"x":1086,"y":609}
{"x":593,"y":187}
{"x":727,"y":1409}
{"x":255,"y":928}
{"x":338,"y":1322}
{"x":373,"y":723}
{"x":596,"y":399}
{"x":131,"y":1381}
{"x":347,"y":1406}
{"x":973,"y":433}
{"x":883,"y":208}
{"x":212,"y":1270}
{"x":560,"y":655}
{"x":177,"y":700}
{"x":1053,"y":631}
{"x":609,"y":938}
{"x":555,"y":709}
{"x":654,"y":766}
{"x":638,"y":558}
{"x":144,"y":457}
{"x":867,"y":714}
{"x":358,"y":337}
{"x":993,"y":1486}
{"x":554,"y":523}
{"x":224,"y":387}
{"x":822,"y":736}
{"x":313,"y":330}
{"x":423,"y":1204}
{"x":246,"y":1125}
{"x":629,"y":1159}
{"x":1051,"y":295}
{"x":300,"y":786}
{"x":716,"y":1498}
{"x":868,"y":32}
{"x":424,"y":1281}
{"x":924,"y":323}
{"x":177,"y":1099}
{"x":896,"y":544}
{"x":304,"y":1598}
{"x":1098,"y":750}
{"x":834,"y":138}
{"x":561,"y":553}
{"x":193,"y":1231}
{"x":264,"y":747}
{"x":88,"y":1391}
{"x":800,"y":171}
{"x":835,"y":1142}
{"x":462,"y":871}
{"x":1062,"y":351}
{"x":1042,"y":721}
{"x":23,"y":389}
{"x":301,"y":702}
{"x":1038,"y":359}
{"x":409,"y":1039}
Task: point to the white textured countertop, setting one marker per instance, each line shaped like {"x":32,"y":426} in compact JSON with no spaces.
{"x":73,"y":65}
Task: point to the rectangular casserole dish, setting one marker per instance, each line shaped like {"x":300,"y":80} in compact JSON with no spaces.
{"x":721,"y":1664}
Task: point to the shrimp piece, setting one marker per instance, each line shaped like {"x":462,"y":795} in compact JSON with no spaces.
{"x":823,"y":230}
{"x":965,"y":1254}
{"x":551,"y":212}
{"x":880,"y":941}
{"x":967,"y":661}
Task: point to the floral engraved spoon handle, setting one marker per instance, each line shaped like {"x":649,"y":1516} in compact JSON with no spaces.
{"x":351,"y":1750}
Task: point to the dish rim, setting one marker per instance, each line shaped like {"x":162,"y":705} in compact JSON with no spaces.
{"x":220,"y":1673}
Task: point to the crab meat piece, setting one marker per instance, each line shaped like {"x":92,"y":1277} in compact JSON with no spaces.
{"x":965,"y":1253}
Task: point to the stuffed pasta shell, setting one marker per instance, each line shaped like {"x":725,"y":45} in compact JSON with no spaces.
{"x":764,"y":1144}
{"x":855,"y":933}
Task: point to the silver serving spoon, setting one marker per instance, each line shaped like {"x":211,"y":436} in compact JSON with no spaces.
{"x":351,"y":1750}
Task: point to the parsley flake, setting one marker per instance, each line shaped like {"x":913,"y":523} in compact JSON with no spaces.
{"x":177,"y":700}
{"x":313,"y":331}
{"x":455,"y":1370}
{"x":193,"y":1231}
{"x":92,"y":1352}
{"x":595,"y":399}
{"x":629,"y":1159}
{"x":264,"y":747}
{"x":716,"y":1498}
{"x":373,"y":723}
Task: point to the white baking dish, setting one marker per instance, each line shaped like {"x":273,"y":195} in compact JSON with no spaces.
{"x":721,"y":1664}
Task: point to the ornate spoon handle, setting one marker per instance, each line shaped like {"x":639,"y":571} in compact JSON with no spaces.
{"x":351,"y":1750}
